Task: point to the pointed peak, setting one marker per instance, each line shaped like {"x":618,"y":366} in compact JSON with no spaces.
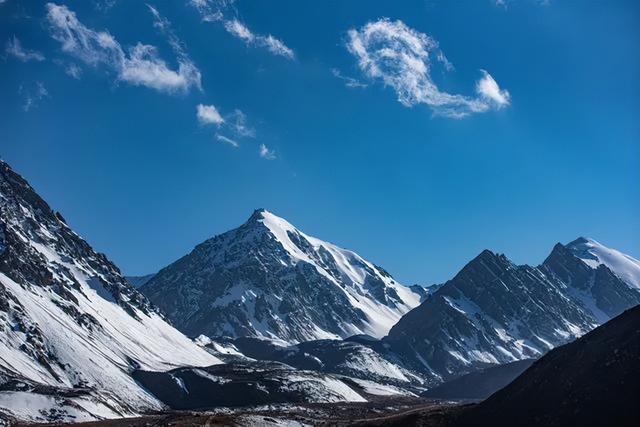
{"x":559,"y":250}
{"x":488,"y":255}
{"x":582,"y":243}
{"x":260,"y":215}
{"x":265,"y":218}
{"x":485,"y":258}
{"x":257,"y":215}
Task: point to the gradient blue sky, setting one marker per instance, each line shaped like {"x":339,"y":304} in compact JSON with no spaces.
{"x":132,"y":169}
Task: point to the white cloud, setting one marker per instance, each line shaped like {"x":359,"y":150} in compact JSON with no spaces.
{"x":237,"y":123}
{"x":489,"y":89}
{"x":276,"y":46}
{"x":234,"y":123}
{"x":211,"y":10}
{"x":348,"y":81}
{"x":226,"y":140}
{"x":239,"y":30}
{"x":266,"y":153}
{"x":215,"y":11}
{"x":141,"y":65}
{"x":14,"y":48}
{"x":208,"y":114}
{"x":272,"y":44}
{"x":402,"y":58}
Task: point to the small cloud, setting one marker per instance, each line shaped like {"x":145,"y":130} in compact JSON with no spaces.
{"x":348,"y":81}
{"x":239,"y":30}
{"x":74,"y":71}
{"x":208,"y":114}
{"x":237,"y":123}
{"x":272,"y":44}
{"x":226,"y":140}
{"x":140,"y":65}
{"x":276,"y":46}
{"x":31,"y":98}
{"x":104,"y":5}
{"x":487,"y":88}
{"x":211,"y":10}
{"x":215,"y":11}
{"x":401,"y":58}
{"x":15,"y":49}
{"x":267,"y":154}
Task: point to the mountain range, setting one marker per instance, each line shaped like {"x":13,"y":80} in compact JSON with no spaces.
{"x":278,"y":316}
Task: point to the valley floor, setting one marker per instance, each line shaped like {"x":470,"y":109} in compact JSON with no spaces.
{"x":382,"y":412}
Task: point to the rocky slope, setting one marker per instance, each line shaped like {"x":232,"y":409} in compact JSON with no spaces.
{"x":71,"y":328}
{"x":268,"y":279}
{"x":495,"y":312}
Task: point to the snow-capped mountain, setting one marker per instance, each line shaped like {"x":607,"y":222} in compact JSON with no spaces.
{"x":268,"y":279}
{"x":494,"y":311}
{"x":71,"y":328}
{"x":594,"y":254}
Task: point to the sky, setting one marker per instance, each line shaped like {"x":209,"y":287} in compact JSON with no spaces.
{"x":416,"y":133}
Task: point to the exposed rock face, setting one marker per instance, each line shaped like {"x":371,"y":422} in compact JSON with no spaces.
{"x":494,"y":311}
{"x":268,"y":279}
{"x":71,"y":328}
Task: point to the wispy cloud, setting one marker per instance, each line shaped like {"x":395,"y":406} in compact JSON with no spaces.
{"x":217,"y":11}
{"x":272,"y":44}
{"x":211,"y":10}
{"x":239,"y":30}
{"x":234,"y":123}
{"x":208,"y":114}
{"x":227,"y":140}
{"x":238,"y":123}
{"x":141,"y":65}
{"x":32,"y":97}
{"x":402,"y":58}
{"x":74,"y":71}
{"x":15,"y":49}
{"x":348,"y":81}
{"x":266,"y":153}
{"x":505,"y":3}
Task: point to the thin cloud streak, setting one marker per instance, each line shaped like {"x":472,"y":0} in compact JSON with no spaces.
{"x":14,"y":48}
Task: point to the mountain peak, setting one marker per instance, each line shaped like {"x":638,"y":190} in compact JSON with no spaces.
{"x":582,"y":241}
{"x":269,"y":279}
{"x":594,"y":254}
{"x":257,"y":215}
{"x":490,"y":256}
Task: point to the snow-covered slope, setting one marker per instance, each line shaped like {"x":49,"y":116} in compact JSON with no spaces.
{"x":70,"y":323}
{"x":594,"y":254}
{"x":268,"y":279}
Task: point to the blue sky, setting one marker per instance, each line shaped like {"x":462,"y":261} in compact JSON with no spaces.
{"x":417,"y":133}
